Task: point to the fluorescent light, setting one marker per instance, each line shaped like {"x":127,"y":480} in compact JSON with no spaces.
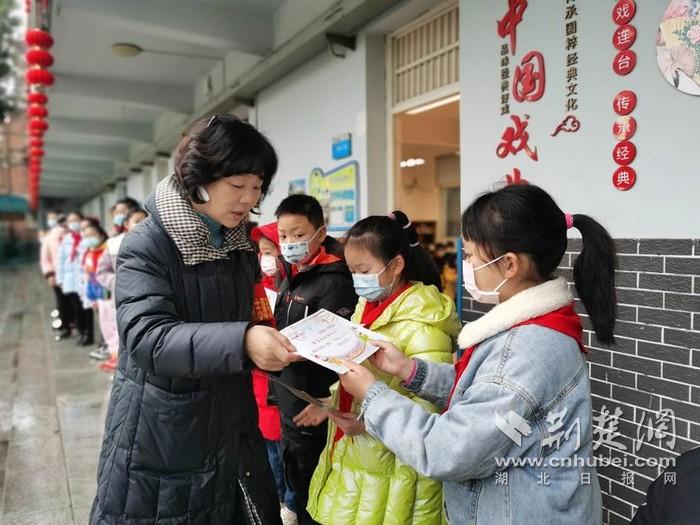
{"x":433,"y":105}
{"x":412,"y":163}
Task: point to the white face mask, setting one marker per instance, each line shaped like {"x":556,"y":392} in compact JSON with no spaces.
{"x":297,"y":252}
{"x":367,"y":285}
{"x":268,"y":265}
{"x":470,"y":286}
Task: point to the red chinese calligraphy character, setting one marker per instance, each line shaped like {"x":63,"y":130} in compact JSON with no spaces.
{"x":515,"y":178}
{"x":624,"y":37}
{"x":624,"y":11}
{"x":624,"y":128}
{"x":529,"y":78}
{"x":508,"y":25}
{"x":515,"y":139}
{"x":624,"y":62}
{"x":624,"y":178}
{"x":624,"y":102}
{"x":624,"y":153}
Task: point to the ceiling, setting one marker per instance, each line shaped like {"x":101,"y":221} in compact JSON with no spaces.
{"x":102,"y":104}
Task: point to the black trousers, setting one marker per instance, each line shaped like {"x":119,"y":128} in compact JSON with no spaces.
{"x":61,"y":306}
{"x":82,"y":317}
{"x":300,"y":452}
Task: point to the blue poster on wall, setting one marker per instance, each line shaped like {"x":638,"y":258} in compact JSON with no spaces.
{"x":337,"y":191}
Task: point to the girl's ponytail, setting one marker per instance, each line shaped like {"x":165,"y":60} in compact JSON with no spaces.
{"x":594,"y":276}
{"x":420,"y":265}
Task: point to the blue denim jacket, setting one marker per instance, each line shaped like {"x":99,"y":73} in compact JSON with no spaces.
{"x":524,"y":384}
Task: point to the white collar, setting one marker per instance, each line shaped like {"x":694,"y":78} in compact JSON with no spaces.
{"x":528,"y":304}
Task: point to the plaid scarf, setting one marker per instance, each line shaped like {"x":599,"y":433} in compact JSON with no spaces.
{"x":188,"y":231}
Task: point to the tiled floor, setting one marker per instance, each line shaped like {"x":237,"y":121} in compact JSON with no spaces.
{"x":52,"y":405}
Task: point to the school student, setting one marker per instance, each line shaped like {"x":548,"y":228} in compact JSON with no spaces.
{"x":398,"y":285}
{"x":316,"y":277}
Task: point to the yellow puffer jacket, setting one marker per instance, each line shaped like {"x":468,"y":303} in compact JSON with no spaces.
{"x":359,"y":481}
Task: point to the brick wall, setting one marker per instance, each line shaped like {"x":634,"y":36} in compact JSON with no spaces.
{"x":654,"y":366}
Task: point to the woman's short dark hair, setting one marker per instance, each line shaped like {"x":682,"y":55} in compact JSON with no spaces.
{"x":386,"y":237}
{"x":219,"y":147}
{"x":304,"y":205}
{"x":524,"y":218}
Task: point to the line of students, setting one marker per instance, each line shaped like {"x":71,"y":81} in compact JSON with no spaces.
{"x":77,"y":260}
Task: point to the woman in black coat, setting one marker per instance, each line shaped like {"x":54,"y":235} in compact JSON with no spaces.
{"x":181,"y":443}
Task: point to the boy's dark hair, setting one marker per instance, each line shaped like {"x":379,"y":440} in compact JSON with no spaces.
{"x":386,"y":237}
{"x":133,"y":211}
{"x":219,"y":147}
{"x":129,"y":202}
{"x":305,"y":205}
{"x":525,"y":219}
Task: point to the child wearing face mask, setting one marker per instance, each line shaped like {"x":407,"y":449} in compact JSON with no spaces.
{"x":514,"y":441}
{"x":267,"y":240}
{"x":399,"y":288}
{"x":316,"y":277}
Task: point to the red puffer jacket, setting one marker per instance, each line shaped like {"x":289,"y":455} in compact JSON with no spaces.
{"x":268,"y":415}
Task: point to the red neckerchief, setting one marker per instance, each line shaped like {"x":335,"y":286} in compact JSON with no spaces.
{"x":321,"y":257}
{"x":370,"y":314}
{"x":92,"y":256}
{"x":76,"y":242}
{"x":565,"y":321}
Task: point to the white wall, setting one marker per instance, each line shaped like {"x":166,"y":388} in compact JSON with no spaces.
{"x":302,"y":112}
{"x":135,"y":186}
{"x":577,"y":168}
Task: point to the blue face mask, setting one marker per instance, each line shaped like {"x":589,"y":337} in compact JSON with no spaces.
{"x":296,"y":252}
{"x":119,"y":219}
{"x":367,"y":285}
{"x":51,"y":223}
{"x":74,"y":226}
{"x":90,"y":242}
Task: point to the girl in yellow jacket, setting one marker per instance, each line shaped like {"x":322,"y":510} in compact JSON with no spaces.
{"x":358,"y":480}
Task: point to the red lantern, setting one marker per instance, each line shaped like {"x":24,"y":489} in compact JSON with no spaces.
{"x":35,"y":97}
{"x":36,"y":133}
{"x":39,"y":38}
{"x":37,"y":111}
{"x":36,"y":152}
{"x":38,"y":123}
{"x":39,"y":57}
{"x":36,"y":143}
{"x":40,"y":76}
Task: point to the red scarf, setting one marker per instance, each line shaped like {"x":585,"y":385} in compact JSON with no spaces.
{"x":370,"y":314}
{"x":76,"y":237}
{"x":565,"y":321}
{"x":92,"y":256}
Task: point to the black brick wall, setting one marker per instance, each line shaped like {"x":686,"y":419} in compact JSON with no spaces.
{"x":654,"y":366}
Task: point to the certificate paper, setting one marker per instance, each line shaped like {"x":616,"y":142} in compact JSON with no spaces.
{"x":325,"y":338}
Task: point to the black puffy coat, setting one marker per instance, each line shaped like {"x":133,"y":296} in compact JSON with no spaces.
{"x":181,"y":443}
{"x":328,"y":286}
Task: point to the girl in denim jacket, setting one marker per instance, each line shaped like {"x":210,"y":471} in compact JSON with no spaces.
{"x":513,"y":444}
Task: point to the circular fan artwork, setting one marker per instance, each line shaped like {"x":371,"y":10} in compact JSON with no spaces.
{"x":678,"y":45}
